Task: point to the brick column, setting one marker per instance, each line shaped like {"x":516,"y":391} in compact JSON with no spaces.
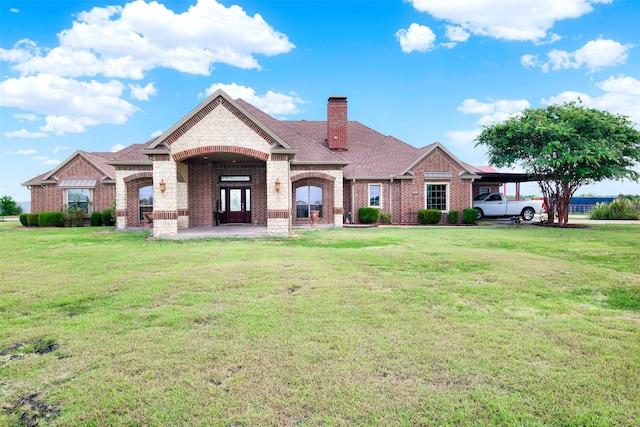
{"x":121,"y":200}
{"x":165,"y":204}
{"x":278,"y":202}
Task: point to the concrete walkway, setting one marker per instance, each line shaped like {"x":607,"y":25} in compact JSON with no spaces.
{"x":224,"y":230}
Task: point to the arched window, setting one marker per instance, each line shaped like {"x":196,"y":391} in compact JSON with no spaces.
{"x":145,"y":201}
{"x":308,"y":198}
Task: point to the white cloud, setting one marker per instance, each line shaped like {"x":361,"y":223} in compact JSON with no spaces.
{"x":621,"y":96}
{"x":506,"y":19}
{"x":23,"y":133}
{"x":60,"y":148}
{"x":156,"y":133}
{"x":529,"y":61}
{"x":417,"y":37}
{"x":61,"y":125}
{"x":621,"y":85}
{"x":457,"y":34}
{"x":23,"y":152}
{"x":14,"y":10}
{"x":494,"y":111}
{"x":117,"y":147}
{"x":142,"y":93}
{"x":594,"y":55}
{"x":271,"y":102}
{"x":27,"y":117}
{"x":127,"y":41}
{"x":70,"y":105}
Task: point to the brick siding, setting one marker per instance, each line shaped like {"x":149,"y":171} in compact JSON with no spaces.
{"x":51,"y":197}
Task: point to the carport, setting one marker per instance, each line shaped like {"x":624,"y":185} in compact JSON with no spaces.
{"x":491,"y":178}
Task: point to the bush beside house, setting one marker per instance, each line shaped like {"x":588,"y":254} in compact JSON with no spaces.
{"x":429,"y":216}
{"x":50,"y":219}
{"x":470,"y":216}
{"x":96,"y":219}
{"x":368,"y":215}
{"x":108,"y":217}
{"x":453,"y":217}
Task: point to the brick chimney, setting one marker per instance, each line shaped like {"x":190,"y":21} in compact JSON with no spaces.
{"x":337,"y":123}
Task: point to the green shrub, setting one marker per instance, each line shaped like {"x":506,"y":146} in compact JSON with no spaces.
{"x":73,"y":216}
{"x":96,"y":219}
{"x":32,"y":220}
{"x":620,"y":208}
{"x":50,"y":219}
{"x":470,"y":216}
{"x":600,"y":212}
{"x":453,"y":217}
{"x":385,"y":217}
{"x":108,"y":218}
{"x":429,"y":216}
{"x":24,"y":219}
{"x":368,"y":215}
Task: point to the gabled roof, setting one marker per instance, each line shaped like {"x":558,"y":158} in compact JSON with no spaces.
{"x":218,"y":97}
{"x":471,"y":172}
{"x":100,"y":160}
{"x":97,"y":160}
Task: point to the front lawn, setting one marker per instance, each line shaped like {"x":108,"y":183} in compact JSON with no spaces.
{"x":390,"y":326}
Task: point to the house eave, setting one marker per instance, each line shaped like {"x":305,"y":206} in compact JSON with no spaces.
{"x":378,"y":178}
{"x":126,"y":163}
{"x":43,"y":182}
{"x":151,"y":152}
{"x":284,"y":151}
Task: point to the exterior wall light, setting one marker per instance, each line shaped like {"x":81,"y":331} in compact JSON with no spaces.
{"x":277,"y":185}
{"x":163,"y":185}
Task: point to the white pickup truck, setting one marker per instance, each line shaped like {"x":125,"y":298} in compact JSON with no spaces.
{"x":496,"y":204}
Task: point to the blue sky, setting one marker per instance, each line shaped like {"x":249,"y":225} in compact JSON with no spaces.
{"x":100,"y":75}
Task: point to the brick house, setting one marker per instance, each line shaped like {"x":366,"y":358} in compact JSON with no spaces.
{"x":229,"y":162}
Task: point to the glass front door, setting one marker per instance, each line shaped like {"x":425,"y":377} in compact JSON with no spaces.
{"x":236,"y":204}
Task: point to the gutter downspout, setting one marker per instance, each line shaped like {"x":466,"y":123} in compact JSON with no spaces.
{"x":353,"y":185}
{"x":391,"y":197}
{"x":471,"y":193}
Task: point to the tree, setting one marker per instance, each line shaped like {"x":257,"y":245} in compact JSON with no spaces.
{"x":564,"y":147}
{"x":8,"y":206}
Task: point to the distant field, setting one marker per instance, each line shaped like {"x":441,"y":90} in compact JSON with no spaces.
{"x":391,"y":326}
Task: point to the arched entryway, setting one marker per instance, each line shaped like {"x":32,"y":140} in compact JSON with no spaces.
{"x":312,"y":191}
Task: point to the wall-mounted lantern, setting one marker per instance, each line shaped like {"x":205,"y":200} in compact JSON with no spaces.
{"x":163,"y":185}
{"x":277,"y":185}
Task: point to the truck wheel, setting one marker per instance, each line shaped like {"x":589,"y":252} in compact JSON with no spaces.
{"x":480,"y":214}
{"x":528,"y":214}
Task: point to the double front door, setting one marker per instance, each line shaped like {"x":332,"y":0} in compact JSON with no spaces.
{"x":235,"y":204}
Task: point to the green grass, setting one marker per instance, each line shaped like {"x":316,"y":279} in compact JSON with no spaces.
{"x":392,"y":326}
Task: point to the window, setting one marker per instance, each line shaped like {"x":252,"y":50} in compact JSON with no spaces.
{"x":437,"y":197}
{"x":145,"y":201}
{"x":375,"y":192}
{"x":80,"y":197}
{"x":308,"y":198}
{"x":485,"y":190}
{"x":235,"y":178}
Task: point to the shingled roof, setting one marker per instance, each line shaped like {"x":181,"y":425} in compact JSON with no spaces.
{"x":370,"y":154}
{"x":100,"y":160}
